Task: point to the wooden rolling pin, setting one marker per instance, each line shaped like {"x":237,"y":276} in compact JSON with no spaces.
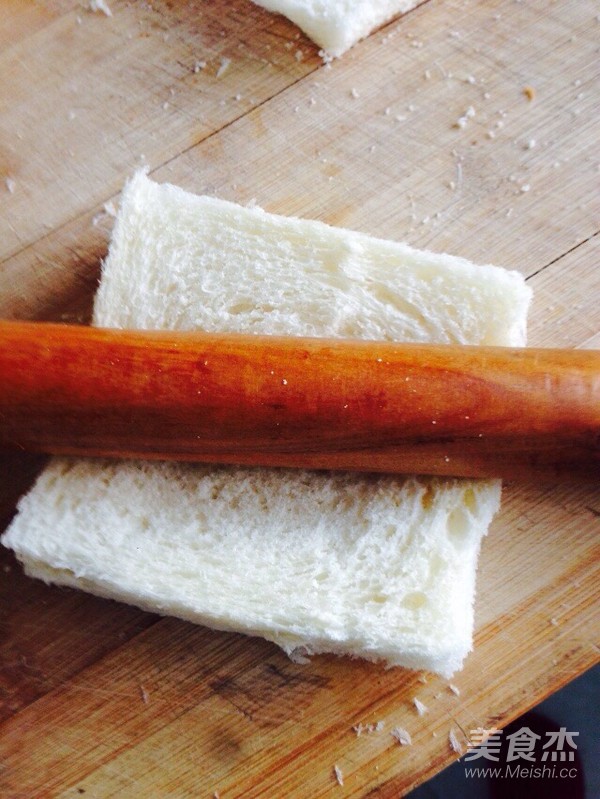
{"x":325,"y":404}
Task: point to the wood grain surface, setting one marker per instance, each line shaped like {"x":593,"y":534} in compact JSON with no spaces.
{"x":103,"y":700}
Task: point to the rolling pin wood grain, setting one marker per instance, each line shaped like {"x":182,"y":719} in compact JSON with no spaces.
{"x":300,"y":402}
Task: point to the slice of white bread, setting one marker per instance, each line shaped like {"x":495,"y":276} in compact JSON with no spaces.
{"x":380,"y":567}
{"x":336,"y":25}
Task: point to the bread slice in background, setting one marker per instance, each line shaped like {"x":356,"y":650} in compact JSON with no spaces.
{"x":336,"y":25}
{"x":379,"y":567}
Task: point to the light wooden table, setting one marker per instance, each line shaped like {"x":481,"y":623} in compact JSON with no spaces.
{"x":100,"y":699}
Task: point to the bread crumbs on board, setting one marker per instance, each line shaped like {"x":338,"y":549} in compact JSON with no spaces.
{"x":100,"y":5}
{"x":402,"y":736}
{"x":223,"y":67}
{"x":338,"y":774}
{"x":420,"y":707}
{"x":368,"y":728}
{"x":454,"y":742}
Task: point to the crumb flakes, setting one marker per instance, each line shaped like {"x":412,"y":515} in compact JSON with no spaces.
{"x":298,"y":55}
{"x":462,"y":121}
{"x":529,"y":92}
{"x":223,"y":67}
{"x":530,"y":144}
{"x":554,"y":622}
{"x":11,"y":185}
{"x":198,"y":65}
{"x":525,"y":188}
{"x":419,"y":706}
{"x":402,"y":736}
{"x":144,"y":694}
{"x":368,"y":728}
{"x":452,"y":687}
{"x":454,"y":742}
{"x":100,"y":5}
{"x":338,"y":774}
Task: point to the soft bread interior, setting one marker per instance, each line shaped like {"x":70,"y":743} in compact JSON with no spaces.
{"x":374,"y":566}
{"x":336,"y":25}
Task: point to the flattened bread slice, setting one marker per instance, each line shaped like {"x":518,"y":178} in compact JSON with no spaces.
{"x":373,"y":566}
{"x":336,"y":25}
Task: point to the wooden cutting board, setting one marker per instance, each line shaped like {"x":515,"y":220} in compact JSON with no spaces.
{"x":103,"y":700}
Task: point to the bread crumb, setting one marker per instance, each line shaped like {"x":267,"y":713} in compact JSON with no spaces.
{"x":100,"y":5}
{"x":454,"y":742}
{"x":224,"y":66}
{"x":198,"y":65}
{"x":144,"y":694}
{"x":402,"y":736}
{"x":554,"y":622}
{"x":420,"y":707}
{"x":422,"y":679}
{"x":298,"y":55}
{"x":110,"y":209}
{"x":525,"y":188}
{"x":368,"y":728}
{"x":338,"y":775}
{"x":530,"y":144}
{"x":299,"y":655}
{"x":427,"y":74}
{"x":452,"y":687}
{"x":529,"y":92}
{"x":11,"y":185}
{"x":354,"y":93}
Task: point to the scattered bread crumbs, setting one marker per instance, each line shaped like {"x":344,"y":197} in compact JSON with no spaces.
{"x":144,"y":694}
{"x":11,"y":185}
{"x":223,"y":67}
{"x":454,"y":742}
{"x":422,"y":679}
{"x":338,"y":775}
{"x":529,"y":92}
{"x":554,"y":622}
{"x":198,"y":65}
{"x":216,"y":795}
{"x":420,"y":707}
{"x":368,"y":728}
{"x":461,"y":122}
{"x":100,"y":5}
{"x":454,"y":689}
{"x":402,"y":736}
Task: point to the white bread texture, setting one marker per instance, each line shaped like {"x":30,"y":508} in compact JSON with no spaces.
{"x":336,"y":25}
{"x":379,"y":567}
